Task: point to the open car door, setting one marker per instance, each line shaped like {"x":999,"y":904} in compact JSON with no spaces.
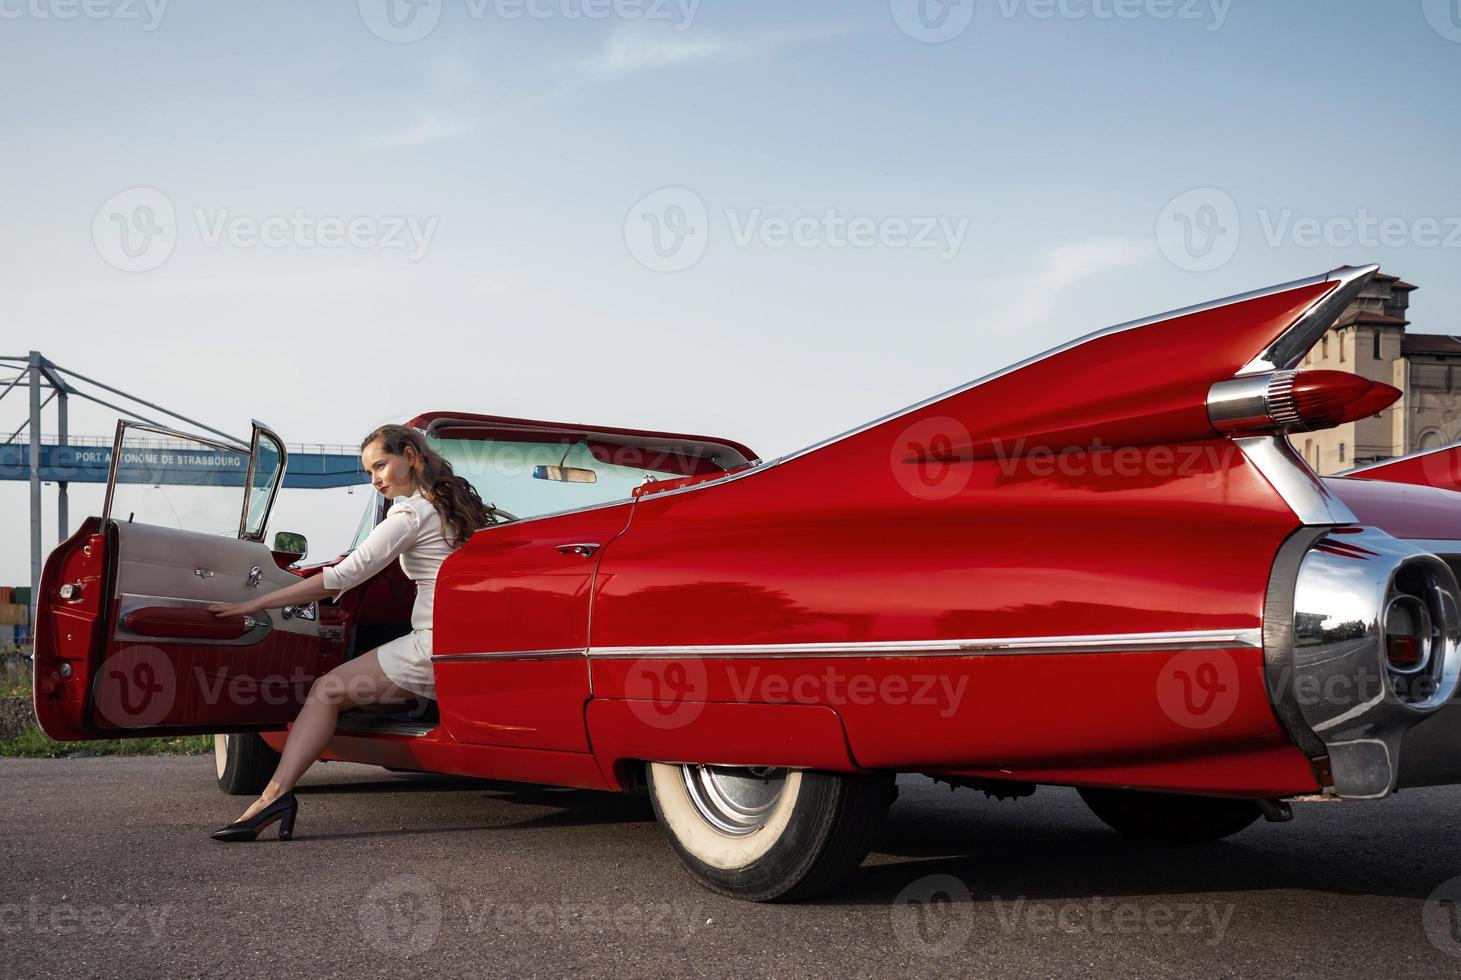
{"x":124,"y":643}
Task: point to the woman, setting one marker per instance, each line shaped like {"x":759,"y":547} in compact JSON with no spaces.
{"x":435,"y":512}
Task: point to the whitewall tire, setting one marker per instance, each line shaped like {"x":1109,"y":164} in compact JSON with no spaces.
{"x":767,"y":834}
{"x":244,"y":763}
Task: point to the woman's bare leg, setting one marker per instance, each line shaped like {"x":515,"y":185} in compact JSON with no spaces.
{"x":355,"y":682}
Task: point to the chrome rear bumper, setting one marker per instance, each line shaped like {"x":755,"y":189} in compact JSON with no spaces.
{"x":1370,"y":720}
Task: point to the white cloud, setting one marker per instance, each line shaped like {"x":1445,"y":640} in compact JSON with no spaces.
{"x":634,"y":50}
{"x":431,"y":126}
{"x":1029,"y":300}
{"x":627,"y":53}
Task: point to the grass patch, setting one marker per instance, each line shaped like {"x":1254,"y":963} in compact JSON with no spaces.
{"x":32,"y":743}
{"x":15,"y":674}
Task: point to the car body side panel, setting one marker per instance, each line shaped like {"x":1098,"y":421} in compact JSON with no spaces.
{"x":437,"y":752}
{"x":824,"y":551}
{"x":69,"y":633}
{"x":1083,"y":495}
{"x":1439,"y":468}
{"x":803,"y":736}
{"x":1402,"y":510}
{"x":512,"y":626}
{"x":1253,"y":772}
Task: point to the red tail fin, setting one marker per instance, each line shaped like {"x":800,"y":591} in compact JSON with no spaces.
{"x":1431,"y":468}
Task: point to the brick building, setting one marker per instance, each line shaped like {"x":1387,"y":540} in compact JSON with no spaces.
{"x":1370,"y":339}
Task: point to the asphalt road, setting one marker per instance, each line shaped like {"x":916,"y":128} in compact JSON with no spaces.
{"x":109,"y":872}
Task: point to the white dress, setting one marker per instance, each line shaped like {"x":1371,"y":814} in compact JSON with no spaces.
{"x":412,"y":531}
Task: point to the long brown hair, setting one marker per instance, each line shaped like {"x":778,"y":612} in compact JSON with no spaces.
{"x":454,"y":498}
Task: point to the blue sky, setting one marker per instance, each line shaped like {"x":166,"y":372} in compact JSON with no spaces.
{"x":1060,"y":165}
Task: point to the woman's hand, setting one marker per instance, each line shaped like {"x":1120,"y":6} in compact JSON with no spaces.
{"x":222,"y":610}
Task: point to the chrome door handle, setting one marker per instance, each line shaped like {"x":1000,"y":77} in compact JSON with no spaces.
{"x":582,"y":549}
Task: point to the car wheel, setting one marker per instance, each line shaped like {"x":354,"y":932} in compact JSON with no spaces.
{"x":767,"y":834}
{"x":244,"y":763}
{"x":1170,"y":816}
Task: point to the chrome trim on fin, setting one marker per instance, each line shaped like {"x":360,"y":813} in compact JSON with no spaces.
{"x":1232,"y":403}
{"x":1287,"y":473}
{"x":1291,"y":346}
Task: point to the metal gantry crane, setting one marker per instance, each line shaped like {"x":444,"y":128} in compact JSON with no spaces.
{"x":43,"y":373}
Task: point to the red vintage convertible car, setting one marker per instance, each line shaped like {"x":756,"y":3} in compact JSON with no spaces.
{"x":1103,"y":568}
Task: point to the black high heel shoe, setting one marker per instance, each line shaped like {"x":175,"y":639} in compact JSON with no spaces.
{"x":283,"y":809}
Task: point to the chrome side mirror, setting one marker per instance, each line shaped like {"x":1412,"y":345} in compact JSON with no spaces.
{"x":291,"y":542}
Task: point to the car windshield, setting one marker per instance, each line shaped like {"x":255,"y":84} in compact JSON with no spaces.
{"x":501,"y":471}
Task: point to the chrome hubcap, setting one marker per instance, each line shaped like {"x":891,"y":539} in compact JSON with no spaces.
{"x":735,"y":801}
{"x":220,"y":753}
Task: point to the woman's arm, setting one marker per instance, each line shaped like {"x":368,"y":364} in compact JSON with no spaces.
{"x":381,"y":546}
{"x":305,"y":590}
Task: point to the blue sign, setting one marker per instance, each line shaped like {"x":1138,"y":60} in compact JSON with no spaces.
{"x":200,"y":466}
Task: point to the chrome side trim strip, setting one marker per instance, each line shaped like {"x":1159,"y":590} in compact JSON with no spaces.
{"x":1351,"y":280}
{"x":1418,"y":454}
{"x":1099,"y":643}
{"x":1285,"y":470}
{"x":511,"y":655}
